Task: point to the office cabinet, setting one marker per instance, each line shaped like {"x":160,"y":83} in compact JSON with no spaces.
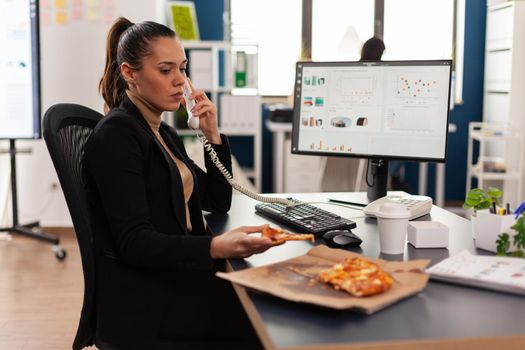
{"x":215,"y":67}
{"x":493,"y":169}
{"x":504,"y":85}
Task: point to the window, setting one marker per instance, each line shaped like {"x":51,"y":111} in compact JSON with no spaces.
{"x":426,"y":33}
{"x":459,"y":53}
{"x":340,"y":27}
{"x":274,"y":25}
{"x":415,"y":29}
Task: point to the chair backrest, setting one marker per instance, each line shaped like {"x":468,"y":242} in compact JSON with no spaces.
{"x":67,"y":128}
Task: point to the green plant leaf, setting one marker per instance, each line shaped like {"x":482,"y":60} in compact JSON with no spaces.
{"x":495,"y":194}
{"x":519,"y":237}
{"x":485,"y":204}
{"x":477,"y":199}
{"x":502,"y":244}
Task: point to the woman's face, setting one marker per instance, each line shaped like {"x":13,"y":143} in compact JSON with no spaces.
{"x":162,"y":76}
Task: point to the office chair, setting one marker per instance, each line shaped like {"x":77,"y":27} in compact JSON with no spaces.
{"x":67,"y":127}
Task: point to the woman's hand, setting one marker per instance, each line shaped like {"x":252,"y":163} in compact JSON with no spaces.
{"x":207,"y":113}
{"x":237,"y":243}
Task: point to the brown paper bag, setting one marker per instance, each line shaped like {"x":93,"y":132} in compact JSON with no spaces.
{"x":294,"y":280}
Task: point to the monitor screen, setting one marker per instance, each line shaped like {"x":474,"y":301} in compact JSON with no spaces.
{"x":380,"y":109}
{"x":19,"y":70}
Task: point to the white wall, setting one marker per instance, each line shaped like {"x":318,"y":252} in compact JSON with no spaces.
{"x":72,"y":60}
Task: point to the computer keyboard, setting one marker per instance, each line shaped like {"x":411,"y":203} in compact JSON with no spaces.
{"x":304,"y":218}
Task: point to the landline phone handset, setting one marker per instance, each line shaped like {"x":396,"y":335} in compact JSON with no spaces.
{"x":416,"y":205}
{"x":193,"y":123}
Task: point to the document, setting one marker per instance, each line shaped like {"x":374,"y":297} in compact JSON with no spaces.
{"x":506,"y":274}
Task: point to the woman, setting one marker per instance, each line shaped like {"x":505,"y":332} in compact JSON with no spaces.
{"x":372,"y":49}
{"x":155,"y":262}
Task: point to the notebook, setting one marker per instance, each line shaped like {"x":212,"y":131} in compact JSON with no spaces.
{"x":506,"y":274}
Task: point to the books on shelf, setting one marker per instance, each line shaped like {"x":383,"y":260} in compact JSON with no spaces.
{"x":239,"y":113}
{"x":506,"y":274}
{"x":201,"y":63}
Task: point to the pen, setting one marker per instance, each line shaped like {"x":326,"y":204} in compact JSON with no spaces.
{"x":519,"y":209}
{"x":347,"y":202}
{"x":501,"y":211}
{"x":508,"y":208}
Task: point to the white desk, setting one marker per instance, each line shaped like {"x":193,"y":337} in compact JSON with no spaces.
{"x":442,"y":316}
{"x":280,"y":130}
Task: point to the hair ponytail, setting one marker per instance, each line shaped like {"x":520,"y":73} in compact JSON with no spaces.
{"x":130,"y":43}
{"x":112,"y":86}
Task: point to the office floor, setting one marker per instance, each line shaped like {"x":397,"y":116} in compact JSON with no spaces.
{"x":40,"y":297}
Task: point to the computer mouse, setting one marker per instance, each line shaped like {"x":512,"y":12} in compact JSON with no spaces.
{"x":341,"y":238}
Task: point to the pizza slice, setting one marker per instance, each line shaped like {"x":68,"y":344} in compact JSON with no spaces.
{"x":278,"y":235}
{"x":358,"y":277}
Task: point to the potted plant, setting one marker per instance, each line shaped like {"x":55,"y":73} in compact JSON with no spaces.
{"x":487,"y":224}
{"x":479,"y":199}
{"x":503,"y":243}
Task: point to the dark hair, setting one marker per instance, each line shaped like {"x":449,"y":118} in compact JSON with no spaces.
{"x":126,"y":42}
{"x":372,"y":49}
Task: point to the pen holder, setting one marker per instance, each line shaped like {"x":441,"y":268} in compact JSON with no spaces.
{"x":486,"y":228}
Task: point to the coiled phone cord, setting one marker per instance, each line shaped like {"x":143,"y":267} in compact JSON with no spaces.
{"x":289,"y":204}
{"x":215,"y":159}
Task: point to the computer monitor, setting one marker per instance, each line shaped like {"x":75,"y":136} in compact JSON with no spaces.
{"x":378,"y":110}
{"x":19,"y":70}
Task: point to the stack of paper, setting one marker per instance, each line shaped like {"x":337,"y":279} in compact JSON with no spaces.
{"x":493,"y":272}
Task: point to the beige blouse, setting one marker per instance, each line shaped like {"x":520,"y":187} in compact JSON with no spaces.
{"x":152,"y":116}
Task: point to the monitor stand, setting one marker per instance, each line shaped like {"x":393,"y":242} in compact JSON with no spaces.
{"x":376,"y":179}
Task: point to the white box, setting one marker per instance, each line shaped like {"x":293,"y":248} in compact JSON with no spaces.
{"x":427,"y":234}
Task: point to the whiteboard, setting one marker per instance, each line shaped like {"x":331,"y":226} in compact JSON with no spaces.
{"x":73,"y":40}
{"x":19,"y":69}
{"x":72,"y":47}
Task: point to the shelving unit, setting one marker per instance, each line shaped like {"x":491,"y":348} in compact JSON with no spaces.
{"x":504,"y":85}
{"x":212,"y":68}
{"x":289,"y":173}
{"x":505,"y":168}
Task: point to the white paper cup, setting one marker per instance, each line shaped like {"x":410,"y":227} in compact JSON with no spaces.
{"x":392,"y":220}
{"x":392,"y":235}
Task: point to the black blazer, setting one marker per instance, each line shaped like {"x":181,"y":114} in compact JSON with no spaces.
{"x":145,"y":257}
